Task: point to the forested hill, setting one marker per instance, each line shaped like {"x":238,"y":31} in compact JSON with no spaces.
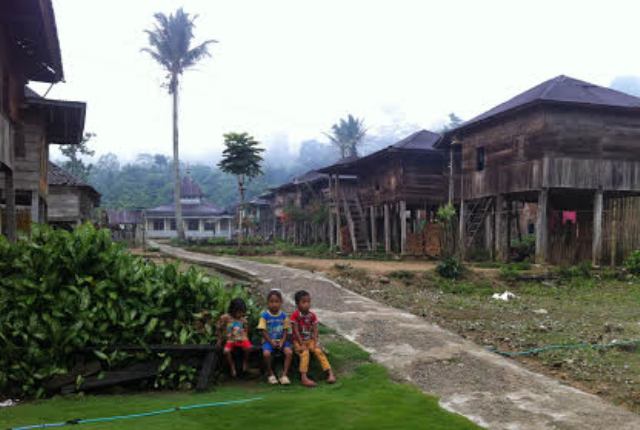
{"x":148,"y":181}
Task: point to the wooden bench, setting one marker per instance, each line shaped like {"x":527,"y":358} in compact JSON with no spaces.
{"x":143,"y":370}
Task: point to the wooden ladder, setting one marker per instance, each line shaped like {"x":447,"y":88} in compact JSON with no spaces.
{"x":476,"y":212}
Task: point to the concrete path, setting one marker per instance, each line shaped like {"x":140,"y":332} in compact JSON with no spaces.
{"x":492,"y":391}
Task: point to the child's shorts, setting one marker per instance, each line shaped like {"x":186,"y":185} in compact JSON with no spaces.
{"x":266,"y":346}
{"x":244,"y":344}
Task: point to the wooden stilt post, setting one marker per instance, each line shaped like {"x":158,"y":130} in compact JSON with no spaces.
{"x":542,"y":227}
{"x":387,"y":230}
{"x":403,"y":227}
{"x":596,"y":250}
{"x":35,"y":207}
{"x":10,"y":206}
{"x":338,"y":218}
{"x":489,"y":233}
{"x":501,"y":239}
{"x":374,"y":232}
{"x":331,"y":236}
{"x":461,"y":232}
{"x":614,"y":232}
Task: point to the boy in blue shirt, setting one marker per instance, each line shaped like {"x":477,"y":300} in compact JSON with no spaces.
{"x":276,"y":330}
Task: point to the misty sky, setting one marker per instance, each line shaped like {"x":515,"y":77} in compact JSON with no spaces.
{"x":285,"y":70}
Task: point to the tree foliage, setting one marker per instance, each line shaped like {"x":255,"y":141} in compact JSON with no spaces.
{"x":170,"y":45}
{"x":347,"y":135}
{"x":74,"y":163}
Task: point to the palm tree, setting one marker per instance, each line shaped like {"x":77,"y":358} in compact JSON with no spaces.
{"x":347,"y":135}
{"x":170,"y":44}
{"x":241,"y":158}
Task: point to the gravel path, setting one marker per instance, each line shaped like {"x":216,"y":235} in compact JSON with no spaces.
{"x":490,"y":390}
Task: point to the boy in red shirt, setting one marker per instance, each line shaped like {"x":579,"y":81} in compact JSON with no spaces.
{"x":305,"y":339}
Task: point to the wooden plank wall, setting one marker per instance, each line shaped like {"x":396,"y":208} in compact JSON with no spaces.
{"x":554,"y":147}
{"x":620,"y":229}
{"x":412,"y":177}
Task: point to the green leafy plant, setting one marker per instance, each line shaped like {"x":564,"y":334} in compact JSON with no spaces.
{"x":632,"y":263}
{"x":524,"y":248}
{"x":450,"y":268}
{"x":63,"y":293}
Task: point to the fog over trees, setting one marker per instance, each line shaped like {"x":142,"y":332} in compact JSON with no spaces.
{"x":147,"y":181}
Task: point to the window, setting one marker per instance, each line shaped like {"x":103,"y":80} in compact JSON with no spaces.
{"x":158,"y":224}
{"x":193,"y":225}
{"x":23,"y":198}
{"x":173,"y":226}
{"x":209,"y":226}
{"x":480,"y":158}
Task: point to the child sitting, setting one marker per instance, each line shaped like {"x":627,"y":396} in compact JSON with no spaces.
{"x":305,"y":339}
{"x":232,"y":327}
{"x":275,"y":328}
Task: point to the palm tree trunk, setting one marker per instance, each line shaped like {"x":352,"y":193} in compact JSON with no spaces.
{"x":240,"y":211}
{"x":176,"y":163}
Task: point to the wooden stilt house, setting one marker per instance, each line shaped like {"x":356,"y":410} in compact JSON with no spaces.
{"x":29,"y":50}
{"x":301,"y":208}
{"x":565,"y":150}
{"x":394,"y":200}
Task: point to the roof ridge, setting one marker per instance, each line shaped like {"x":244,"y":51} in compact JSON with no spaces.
{"x":552,"y":85}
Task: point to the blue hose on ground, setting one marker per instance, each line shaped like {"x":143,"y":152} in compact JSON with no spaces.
{"x":138,"y":415}
{"x":535,"y":351}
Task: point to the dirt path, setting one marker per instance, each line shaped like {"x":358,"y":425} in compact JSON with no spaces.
{"x":490,"y":390}
{"x":374,"y":266}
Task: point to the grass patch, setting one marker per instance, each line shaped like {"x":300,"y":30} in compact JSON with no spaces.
{"x":360,"y":400}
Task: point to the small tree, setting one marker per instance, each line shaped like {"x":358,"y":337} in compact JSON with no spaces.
{"x":74,"y":153}
{"x":242,"y":159}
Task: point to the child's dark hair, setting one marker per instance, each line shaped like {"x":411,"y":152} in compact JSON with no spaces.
{"x":276,"y":293}
{"x":237,"y":305}
{"x":300,"y":295}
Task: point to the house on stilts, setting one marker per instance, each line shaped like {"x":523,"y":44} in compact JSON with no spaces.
{"x":392,"y":204}
{"x":566,"y":154}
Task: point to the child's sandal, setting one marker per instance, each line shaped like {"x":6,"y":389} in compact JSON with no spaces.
{"x":272,"y":380}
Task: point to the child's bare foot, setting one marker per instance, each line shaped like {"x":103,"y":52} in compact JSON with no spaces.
{"x":307,"y":382}
{"x":272,"y":380}
{"x":331,"y":378}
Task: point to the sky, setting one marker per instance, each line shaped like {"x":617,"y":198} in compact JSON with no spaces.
{"x":285,"y":70}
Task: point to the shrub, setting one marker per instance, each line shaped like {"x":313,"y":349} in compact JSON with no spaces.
{"x":582,"y":270}
{"x":450,"y":268}
{"x":524,"y":248}
{"x":62,"y":293}
{"x":632,"y":263}
{"x":402,"y":275}
{"x":508,"y":272}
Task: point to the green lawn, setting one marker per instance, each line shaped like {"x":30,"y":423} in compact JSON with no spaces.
{"x":363,"y":398}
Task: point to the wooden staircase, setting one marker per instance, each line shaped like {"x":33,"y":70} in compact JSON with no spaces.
{"x":474,"y":216}
{"x":352,"y":210}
